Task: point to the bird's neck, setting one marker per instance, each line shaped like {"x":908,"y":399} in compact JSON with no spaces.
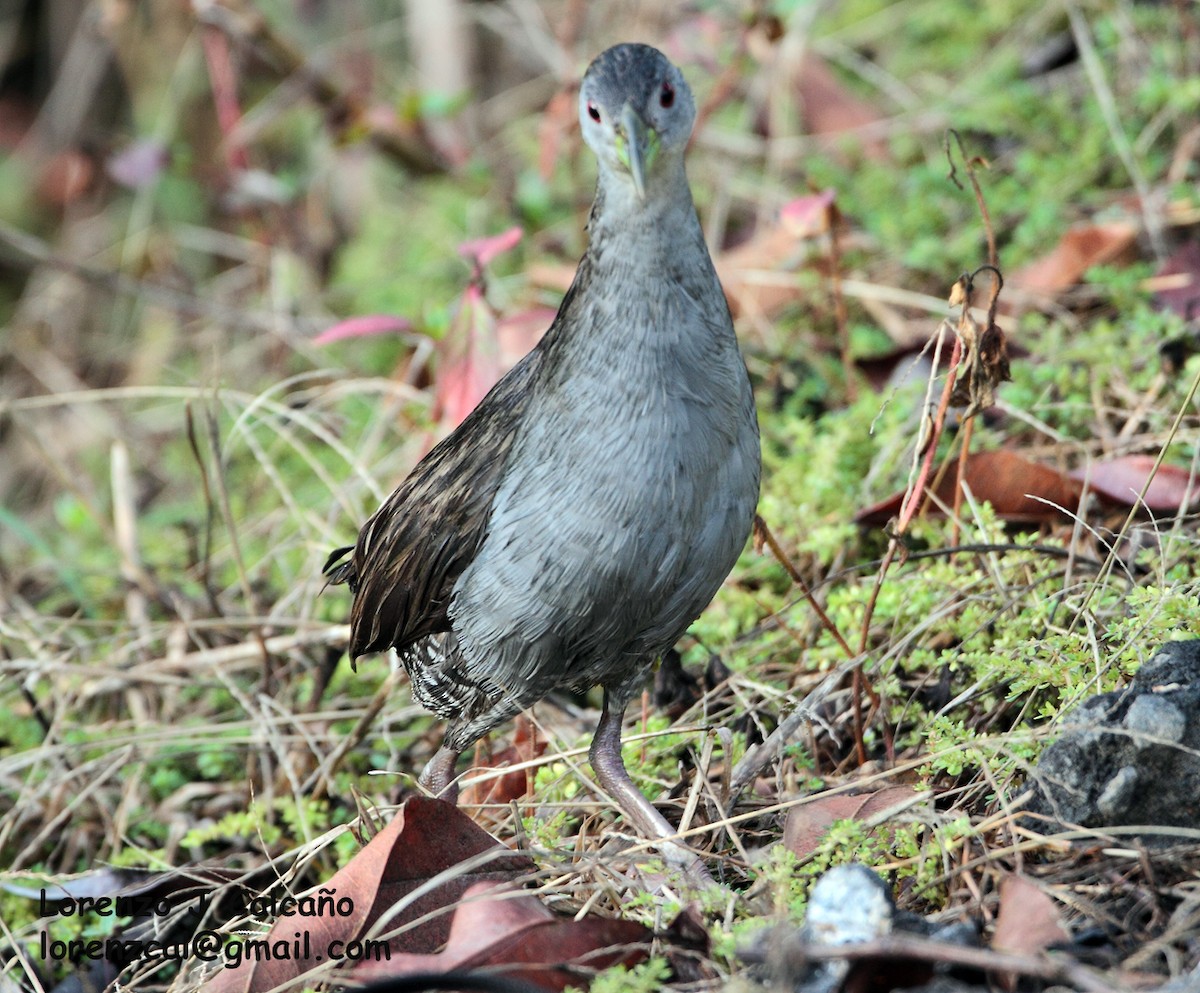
{"x":620,"y":218}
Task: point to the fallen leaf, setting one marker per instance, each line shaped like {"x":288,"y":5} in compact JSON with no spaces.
{"x":495,"y":926}
{"x":828,"y":108}
{"x":755,"y":274}
{"x":512,"y":785}
{"x":808,"y":823}
{"x":1076,"y":252}
{"x":425,"y":837}
{"x":1020,"y":491}
{"x":1121,"y":480}
{"x":1028,"y":923}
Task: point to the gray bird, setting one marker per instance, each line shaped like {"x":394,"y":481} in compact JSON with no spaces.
{"x":584,"y":514}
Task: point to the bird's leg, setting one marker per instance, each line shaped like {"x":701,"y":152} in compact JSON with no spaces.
{"x":438,"y":775}
{"x":605,"y":756}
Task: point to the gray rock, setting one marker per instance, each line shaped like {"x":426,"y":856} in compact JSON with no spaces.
{"x":1131,"y":757}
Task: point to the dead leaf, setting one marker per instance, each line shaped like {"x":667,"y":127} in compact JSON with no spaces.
{"x":513,"y":785}
{"x":1121,"y":480}
{"x":828,"y":108}
{"x":1028,"y":923}
{"x":1076,"y":252}
{"x":807,"y":824}
{"x":1019,"y":490}
{"x":755,"y":274}
{"x":424,"y":838}
{"x":494,"y":926}
{"x":984,"y":362}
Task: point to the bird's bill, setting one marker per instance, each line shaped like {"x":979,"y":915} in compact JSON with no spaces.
{"x":636,"y":147}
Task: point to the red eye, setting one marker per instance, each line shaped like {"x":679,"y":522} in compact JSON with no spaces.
{"x":593,"y":112}
{"x":667,"y":96}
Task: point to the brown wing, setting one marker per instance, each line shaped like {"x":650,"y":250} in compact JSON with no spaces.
{"x":413,"y":549}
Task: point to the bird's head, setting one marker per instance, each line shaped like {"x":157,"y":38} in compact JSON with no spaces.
{"x":636,"y":112}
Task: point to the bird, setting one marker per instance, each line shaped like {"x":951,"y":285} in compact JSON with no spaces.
{"x":566,"y":534}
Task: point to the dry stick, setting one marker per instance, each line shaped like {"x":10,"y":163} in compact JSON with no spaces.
{"x":915,"y":497}
{"x":969,"y":420}
{"x":763,"y":536}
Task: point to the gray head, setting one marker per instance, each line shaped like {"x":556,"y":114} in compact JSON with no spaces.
{"x":636,"y":112}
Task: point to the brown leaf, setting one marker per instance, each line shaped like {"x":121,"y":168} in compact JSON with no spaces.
{"x":1121,"y":480}
{"x":1006,"y":480}
{"x":1076,"y":252}
{"x":808,"y":823}
{"x":526,"y":745}
{"x":770,"y":251}
{"x":828,"y":108}
{"x":424,"y":838}
{"x":493,"y":926}
{"x":1028,"y":922}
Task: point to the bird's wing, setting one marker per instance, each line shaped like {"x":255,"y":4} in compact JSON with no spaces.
{"x":413,"y":549}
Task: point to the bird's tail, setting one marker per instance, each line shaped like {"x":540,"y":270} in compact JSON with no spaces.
{"x":337,"y":571}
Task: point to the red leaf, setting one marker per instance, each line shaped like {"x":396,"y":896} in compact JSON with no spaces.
{"x":424,"y":838}
{"x":526,"y":745}
{"x":482,"y":251}
{"x":492,"y":926}
{"x":1019,"y":490}
{"x":363,"y":327}
{"x":807,"y":217}
{"x":1122,"y":479}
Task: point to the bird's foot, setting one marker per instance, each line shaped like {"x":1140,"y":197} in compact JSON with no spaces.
{"x":605,"y":756}
{"x":438,"y":775}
